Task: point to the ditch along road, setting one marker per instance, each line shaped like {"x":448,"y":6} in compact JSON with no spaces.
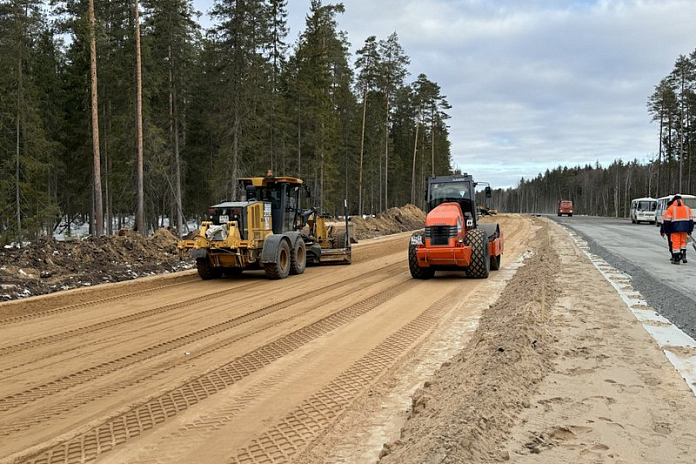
{"x":343,"y":364}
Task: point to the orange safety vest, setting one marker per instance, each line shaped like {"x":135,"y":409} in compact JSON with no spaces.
{"x":678,"y":218}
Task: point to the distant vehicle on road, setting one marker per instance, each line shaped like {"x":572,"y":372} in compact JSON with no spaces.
{"x":643,"y":210}
{"x":565,"y":207}
{"x":689,"y":200}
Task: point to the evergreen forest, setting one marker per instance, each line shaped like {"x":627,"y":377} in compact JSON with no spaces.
{"x":121,"y":109}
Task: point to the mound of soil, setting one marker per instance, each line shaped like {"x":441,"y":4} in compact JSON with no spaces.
{"x":392,"y":221}
{"x":466,"y":412}
{"x":48,"y":265}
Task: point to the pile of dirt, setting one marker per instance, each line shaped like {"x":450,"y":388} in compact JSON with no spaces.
{"x":392,"y":221}
{"x":468,"y":410}
{"x":48,"y":265}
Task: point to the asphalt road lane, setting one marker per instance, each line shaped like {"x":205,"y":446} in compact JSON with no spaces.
{"x":640,"y":251}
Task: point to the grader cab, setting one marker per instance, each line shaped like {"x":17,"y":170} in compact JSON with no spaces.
{"x":267,"y":230}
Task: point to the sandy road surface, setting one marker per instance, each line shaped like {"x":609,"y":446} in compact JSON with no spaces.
{"x":558,"y":371}
{"x":245,"y":370}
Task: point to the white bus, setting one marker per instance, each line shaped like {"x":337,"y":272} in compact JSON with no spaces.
{"x":689,"y":200}
{"x":643,"y":210}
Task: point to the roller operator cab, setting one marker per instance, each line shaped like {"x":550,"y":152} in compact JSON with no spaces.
{"x":268,"y":229}
{"x":453,"y":239}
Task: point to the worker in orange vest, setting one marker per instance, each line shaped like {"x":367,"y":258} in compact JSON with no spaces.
{"x":677,"y":222}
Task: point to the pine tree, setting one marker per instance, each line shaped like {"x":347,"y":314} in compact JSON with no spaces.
{"x":173,"y":38}
{"x":368,"y":63}
{"x":25,"y":148}
{"x":322,"y":83}
{"x":96,"y":162}
{"x":391,"y":78}
{"x":242,"y":36}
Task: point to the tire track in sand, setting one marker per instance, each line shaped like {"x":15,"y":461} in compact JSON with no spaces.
{"x":87,"y":446}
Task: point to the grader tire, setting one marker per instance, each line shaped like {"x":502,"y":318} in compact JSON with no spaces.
{"x":298,"y":258}
{"x":281,"y":268}
{"x":206,"y":271}
{"x":479,"y":268}
{"x":418,"y":272}
{"x":340,"y":240}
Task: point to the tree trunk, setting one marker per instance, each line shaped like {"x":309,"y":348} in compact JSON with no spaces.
{"x":432,"y":141}
{"x":299,"y":146}
{"x":321,"y":169}
{"x":17,"y":166}
{"x":235,"y":150}
{"x":173,"y":115}
{"x":362,"y":152}
{"x":386,"y":158}
{"x":107,"y":191}
{"x":659,"y":153}
{"x":681,"y":135}
{"x":413,"y":168}
{"x":140,"y":213}
{"x":96,"y":158}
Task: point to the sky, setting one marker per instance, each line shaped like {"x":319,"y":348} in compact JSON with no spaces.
{"x":533,"y":84}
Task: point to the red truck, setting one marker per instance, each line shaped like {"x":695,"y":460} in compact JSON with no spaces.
{"x":565,"y":207}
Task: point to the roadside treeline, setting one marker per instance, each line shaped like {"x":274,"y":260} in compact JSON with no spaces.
{"x":607,"y":191}
{"x":216,"y":105}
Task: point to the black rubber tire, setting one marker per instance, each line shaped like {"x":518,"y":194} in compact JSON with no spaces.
{"x":281,"y":268}
{"x":340,"y":240}
{"x":495,"y":262}
{"x":570,"y":215}
{"x":418,"y":272}
{"x":206,"y":271}
{"x":480,"y":265}
{"x":298,"y":258}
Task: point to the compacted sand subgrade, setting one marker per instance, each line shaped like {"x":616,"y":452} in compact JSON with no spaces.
{"x":541,"y":362}
{"x":558,"y":371}
{"x":227,"y":370}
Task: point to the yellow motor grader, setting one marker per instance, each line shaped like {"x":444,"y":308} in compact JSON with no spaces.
{"x":267,"y":230}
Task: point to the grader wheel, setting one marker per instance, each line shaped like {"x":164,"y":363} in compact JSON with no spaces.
{"x":298,"y":258}
{"x":281,"y":268}
{"x":206,"y":271}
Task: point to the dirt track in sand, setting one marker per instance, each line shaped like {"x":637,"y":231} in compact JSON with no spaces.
{"x":559,"y":371}
{"x":322,"y":367}
{"x":185,"y":370}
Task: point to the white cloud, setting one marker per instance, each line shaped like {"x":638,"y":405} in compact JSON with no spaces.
{"x":533,"y":83}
